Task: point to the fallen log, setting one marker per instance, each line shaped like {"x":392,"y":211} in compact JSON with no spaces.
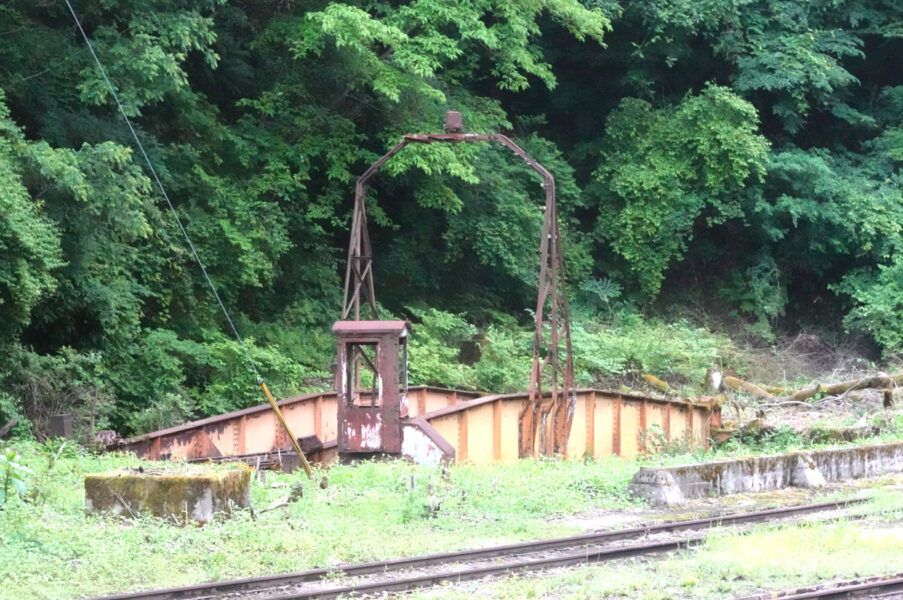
{"x":657,"y":383}
{"x":881,"y":382}
{"x":775,"y":390}
{"x":778,"y":396}
{"x":738,"y":385}
{"x":5,"y":429}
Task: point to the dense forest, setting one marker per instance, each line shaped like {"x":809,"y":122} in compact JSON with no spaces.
{"x":734,"y":156}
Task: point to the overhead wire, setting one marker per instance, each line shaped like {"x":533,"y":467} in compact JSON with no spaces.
{"x":172,"y":209}
{"x":194,"y":252}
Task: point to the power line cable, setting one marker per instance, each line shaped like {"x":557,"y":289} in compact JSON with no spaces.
{"x":172,"y":209}
{"x":241,"y":342}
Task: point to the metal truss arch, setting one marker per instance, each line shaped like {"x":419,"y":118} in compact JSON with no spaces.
{"x":547,"y":414}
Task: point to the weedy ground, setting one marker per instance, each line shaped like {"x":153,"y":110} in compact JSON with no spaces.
{"x":49,"y":548}
{"x":725,"y":567}
{"x":767,"y":558}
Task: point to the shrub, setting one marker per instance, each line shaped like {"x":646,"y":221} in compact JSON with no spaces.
{"x":12,"y":474}
{"x":627,"y":344}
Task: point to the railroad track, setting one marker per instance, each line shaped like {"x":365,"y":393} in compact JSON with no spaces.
{"x":886,"y":587}
{"x":411,"y":573}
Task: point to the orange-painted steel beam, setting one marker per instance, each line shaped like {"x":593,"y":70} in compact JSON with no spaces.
{"x":489,"y":434}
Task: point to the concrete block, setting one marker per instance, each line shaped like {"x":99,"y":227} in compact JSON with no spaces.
{"x":61,"y":426}
{"x":806,"y":473}
{"x":657,"y":486}
{"x":185,"y":493}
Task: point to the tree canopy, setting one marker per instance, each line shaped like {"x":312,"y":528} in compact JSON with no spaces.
{"x":742,"y":149}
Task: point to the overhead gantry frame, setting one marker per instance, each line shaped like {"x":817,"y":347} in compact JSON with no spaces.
{"x":546,"y":415}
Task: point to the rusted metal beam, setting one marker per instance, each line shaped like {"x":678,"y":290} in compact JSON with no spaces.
{"x":490,"y":433}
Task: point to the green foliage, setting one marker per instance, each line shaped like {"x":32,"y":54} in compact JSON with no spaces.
{"x":744,"y":150}
{"x":654,"y":442}
{"x":254,"y":121}
{"x":763,"y":441}
{"x":12,"y":473}
{"x":10,"y":409}
{"x":664,"y":169}
{"x":759,"y":291}
{"x":878,"y":309}
{"x":434,"y":349}
{"x":148,"y":63}
{"x":625,"y":345}
{"x":29,"y":241}
{"x":427,"y":36}
{"x":802,"y":66}
{"x":67,"y":381}
{"x":632,"y":345}
{"x":840,"y":213}
{"x":604,"y":291}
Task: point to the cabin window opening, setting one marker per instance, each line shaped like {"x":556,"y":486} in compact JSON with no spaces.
{"x":363,"y":384}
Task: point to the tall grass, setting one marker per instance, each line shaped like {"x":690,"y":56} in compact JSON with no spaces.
{"x":49,"y":548}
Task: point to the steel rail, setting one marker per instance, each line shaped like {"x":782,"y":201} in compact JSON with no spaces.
{"x":585,"y":556}
{"x":858,"y":588}
{"x":430,"y":579}
{"x":588,"y":539}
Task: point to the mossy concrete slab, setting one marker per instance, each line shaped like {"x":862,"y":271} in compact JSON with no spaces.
{"x":671,"y":486}
{"x":182,"y":494}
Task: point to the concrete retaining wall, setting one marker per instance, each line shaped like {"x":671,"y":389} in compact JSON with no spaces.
{"x":674,"y":485}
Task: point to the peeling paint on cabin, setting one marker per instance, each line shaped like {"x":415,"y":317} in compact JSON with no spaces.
{"x":371,"y":436}
{"x":420,"y":448}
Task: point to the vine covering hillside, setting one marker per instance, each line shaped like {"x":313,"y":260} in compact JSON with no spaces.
{"x":738,"y":153}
